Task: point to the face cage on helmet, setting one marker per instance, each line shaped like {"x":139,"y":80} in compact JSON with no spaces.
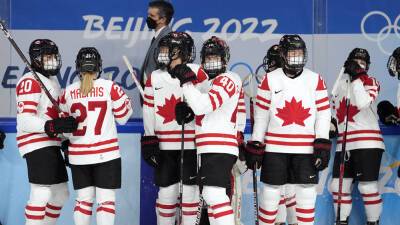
{"x":393,"y":67}
{"x":187,"y":56}
{"x":214,"y":68}
{"x":296,"y":64}
{"x":161,"y":58}
{"x":47,"y":67}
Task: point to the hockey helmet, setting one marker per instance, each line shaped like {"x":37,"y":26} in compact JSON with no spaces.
{"x":215,"y":46}
{"x":88,"y":60}
{"x":272,"y":60}
{"x":45,"y":57}
{"x":293,"y":52}
{"x":361,"y":54}
{"x":393,"y":64}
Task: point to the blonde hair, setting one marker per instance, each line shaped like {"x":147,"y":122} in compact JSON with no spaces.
{"x":87,"y":82}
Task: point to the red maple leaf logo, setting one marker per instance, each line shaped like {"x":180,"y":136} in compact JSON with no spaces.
{"x":341,"y":111}
{"x":167,"y":111}
{"x":52,"y":112}
{"x":199,"y":120}
{"x":293,"y":112}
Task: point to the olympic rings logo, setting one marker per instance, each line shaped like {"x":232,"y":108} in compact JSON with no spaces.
{"x":384,"y":33}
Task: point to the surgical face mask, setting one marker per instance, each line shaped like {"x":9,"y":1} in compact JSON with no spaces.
{"x":151,"y":23}
{"x":163,"y":58}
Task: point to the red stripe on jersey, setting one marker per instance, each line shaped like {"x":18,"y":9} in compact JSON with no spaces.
{"x":373,"y":202}
{"x":29,"y":111}
{"x":220,"y":205}
{"x":166,"y":214}
{"x":300,"y":210}
{"x":190,"y":204}
{"x":148,"y":81}
{"x":263,"y":99}
{"x":241,"y":104}
{"x":319,"y":101}
{"x":362,"y":132}
{"x":30,"y":103}
{"x":149,"y":97}
{"x":163,"y":206}
{"x":323,"y":108}
{"x":219,"y":98}
{"x":214,"y":106}
{"x":204,"y":143}
{"x":221,"y":214}
{"x":242,"y":110}
{"x":207,"y":135}
{"x":26,"y":136}
{"x":262,"y":106}
{"x":167,"y":132}
{"x":266,"y":220}
{"x":284,"y":143}
{"x":114,"y":140}
{"x":291,"y":204}
{"x":264,"y":84}
{"x":175,"y":139}
{"x":290,"y":135}
{"x":189,"y":213}
{"x":268,"y":213}
{"x":119,"y":108}
{"x":35,"y":140}
{"x":370,"y":195}
{"x":305,"y":220}
{"x":343,"y":194}
{"x":115,"y":148}
{"x":361,"y":139}
{"x":343,"y":201}
{"x":123,"y":114}
{"x":148,"y":104}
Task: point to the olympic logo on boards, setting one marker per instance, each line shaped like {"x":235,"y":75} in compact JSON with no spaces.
{"x":384,"y":33}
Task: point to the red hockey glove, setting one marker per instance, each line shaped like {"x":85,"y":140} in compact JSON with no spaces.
{"x":254,"y":154}
{"x":354,"y":69}
{"x":150,"y":150}
{"x":183,"y":113}
{"x":60,"y":125}
{"x":322,"y":153}
{"x":183,"y":73}
{"x":241,"y":145}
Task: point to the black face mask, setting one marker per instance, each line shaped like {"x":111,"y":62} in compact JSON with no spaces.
{"x":151,"y":23}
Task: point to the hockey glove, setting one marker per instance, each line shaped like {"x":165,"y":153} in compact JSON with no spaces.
{"x":150,"y":150}
{"x":64,"y":149}
{"x":254,"y":154}
{"x":183,"y":113}
{"x":387,"y":113}
{"x":322,"y":153}
{"x":333,"y":130}
{"x":2,"y":138}
{"x":241,"y":145}
{"x":354,"y":69}
{"x":60,"y":125}
{"x":183,"y":73}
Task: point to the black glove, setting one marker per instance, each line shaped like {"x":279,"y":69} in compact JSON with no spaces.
{"x":241,"y":145}
{"x":254,"y":154}
{"x":64,"y":149}
{"x":333,"y":131}
{"x":60,"y":125}
{"x":354,"y":69}
{"x":387,"y":113}
{"x":183,"y":113}
{"x":398,"y":172}
{"x":183,"y":73}
{"x":2,"y":138}
{"x":151,"y":150}
{"x":322,"y":153}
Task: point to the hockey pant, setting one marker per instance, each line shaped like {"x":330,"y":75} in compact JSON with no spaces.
{"x":287,"y":206}
{"x":167,"y":203}
{"x":45,"y":203}
{"x":306,"y":195}
{"x":105,"y":212}
{"x":369,"y":192}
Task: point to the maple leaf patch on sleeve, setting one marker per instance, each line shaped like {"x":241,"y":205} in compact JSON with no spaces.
{"x":341,"y":111}
{"x":293,"y":113}
{"x":167,"y":111}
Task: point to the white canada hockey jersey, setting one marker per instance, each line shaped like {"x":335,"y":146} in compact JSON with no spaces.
{"x":96,"y":139}
{"x":290,"y":113}
{"x":162,"y":93}
{"x":363,"y":129}
{"x":241,"y":112}
{"x":34,"y":108}
{"x":216,"y":105}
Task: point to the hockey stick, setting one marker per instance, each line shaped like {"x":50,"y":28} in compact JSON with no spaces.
{"x":179,"y":220}
{"x":130,"y":68}
{"x":343,"y":152}
{"x":28,"y":65}
{"x":201,"y":199}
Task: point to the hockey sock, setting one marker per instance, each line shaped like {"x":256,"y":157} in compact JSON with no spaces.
{"x":221,"y":207}
{"x":372,"y":200}
{"x":269,"y":202}
{"x":281,"y":216}
{"x":166,"y":205}
{"x":306,"y":195}
{"x":83,"y":205}
{"x":36,"y":207}
{"x":59,"y":195}
{"x":105,"y":213}
{"x":346,"y":202}
{"x":190,"y":204}
{"x":290,"y":200}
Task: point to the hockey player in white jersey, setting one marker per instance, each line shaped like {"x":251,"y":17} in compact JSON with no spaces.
{"x":38,"y":126}
{"x":215,"y":106}
{"x":364,"y":143}
{"x":94,"y":155}
{"x":290,"y":135}
{"x":287,"y":204}
{"x":163,"y":113}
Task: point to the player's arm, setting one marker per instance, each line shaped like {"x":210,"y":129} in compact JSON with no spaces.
{"x":365,"y":90}
{"x":28,"y":95}
{"x":121,"y":104}
{"x":261,"y":111}
{"x":323,"y":114}
{"x":223,"y":89}
{"x":148,"y":108}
